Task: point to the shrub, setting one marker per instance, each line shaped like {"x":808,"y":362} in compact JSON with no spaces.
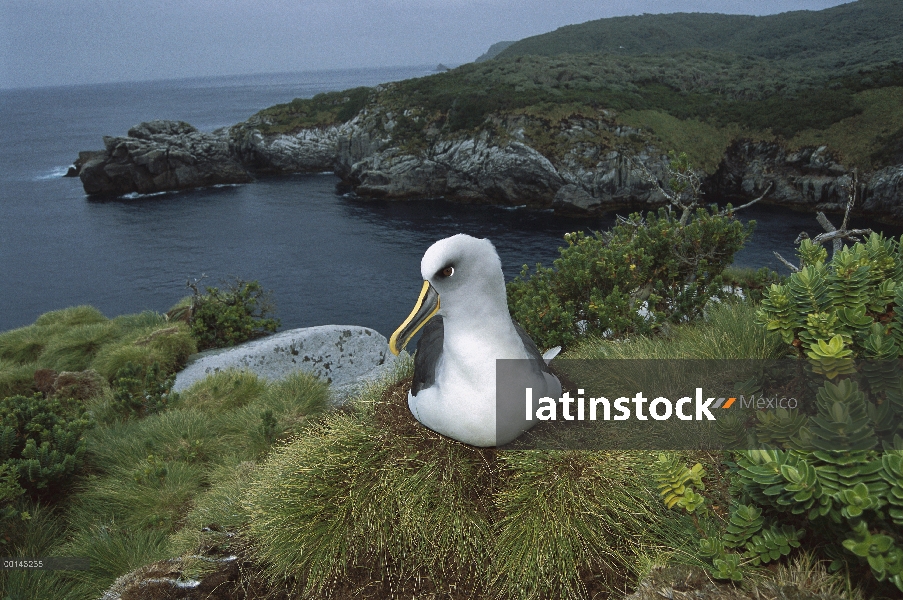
{"x":851,"y":299}
{"x":633,"y":279}
{"x":222,"y":318}
{"x":42,"y":439}
{"x":142,"y":391}
{"x":828,"y":479}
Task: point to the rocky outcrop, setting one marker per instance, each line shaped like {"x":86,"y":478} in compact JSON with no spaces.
{"x":577,"y":165}
{"x":310,"y":150}
{"x":499,"y":166}
{"x":346,"y":356}
{"x":883,"y":196}
{"x":160,"y":156}
{"x":807,"y":179}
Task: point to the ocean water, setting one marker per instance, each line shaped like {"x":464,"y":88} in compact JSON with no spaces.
{"x":327,"y":257}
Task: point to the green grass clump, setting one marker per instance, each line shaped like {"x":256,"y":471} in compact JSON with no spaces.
{"x":573,"y":512}
{"x":404,"y":503}
{"x":169,"y":345}
{"x":152,"y":493}
{"x":16,"y":378}
{"x":216,"y":511}
{"x":69,"y":317}
{"x":79,"y":338}
{"x":113,"y":550}
{"x":224,"y":390}
{"x":370,"y":493}
{"x":34,"y":537}
{"x":156,"y":482}
{"x":75,"y":348}
{"x":25,"y":345}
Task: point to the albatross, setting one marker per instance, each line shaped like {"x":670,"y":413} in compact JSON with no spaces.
{"x":463,"y":311}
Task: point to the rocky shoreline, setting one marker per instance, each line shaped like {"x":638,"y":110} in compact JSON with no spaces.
{"x":582,"y":166}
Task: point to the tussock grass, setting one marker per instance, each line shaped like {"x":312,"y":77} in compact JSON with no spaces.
{"x":16,"y":378}
{"x":75,"y":348}
{"x":217,"y":510}
{"x":370,"y":487}
{"x":574,"y":523}
{"x":113,"y":550}
{"x":170,"y":345}
{"x":70,"y":317}
{"x":156,"y":482}
{"x":183,"y":434}
{"x":371,"y":497}
{"x":25,"y":345}
{"x":224,"y":390}
{"x":33,"y":538}
{"x":144,"y":496}
{"x":728,"y":331}
{"x":75,"y":339}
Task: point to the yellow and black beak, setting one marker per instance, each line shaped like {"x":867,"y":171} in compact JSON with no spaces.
{"x":427,"y":306}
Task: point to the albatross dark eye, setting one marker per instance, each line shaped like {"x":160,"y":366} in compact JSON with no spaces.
{"x":447,"y":271}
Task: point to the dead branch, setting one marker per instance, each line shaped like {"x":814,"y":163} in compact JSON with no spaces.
{"x":793,"y":268}
{"x":841,"y":234}
{"x":750,"y":203}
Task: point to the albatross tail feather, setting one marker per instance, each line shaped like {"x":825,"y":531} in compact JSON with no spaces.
{"x":551,"y":353}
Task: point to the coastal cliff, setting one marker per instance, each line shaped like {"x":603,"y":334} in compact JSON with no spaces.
{"x":545,"y":126}
{"x":585,"y":166}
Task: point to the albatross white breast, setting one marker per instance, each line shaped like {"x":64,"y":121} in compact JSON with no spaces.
{"x":463,"y":311}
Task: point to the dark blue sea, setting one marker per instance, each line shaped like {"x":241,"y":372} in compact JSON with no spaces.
{"x":328,"y":258}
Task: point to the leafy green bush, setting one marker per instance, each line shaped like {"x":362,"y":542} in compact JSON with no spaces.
{"x":601,"y":282}
{"x":830,"y":477}
{"x":142,"y":391}
{"x":221,"y":318}
{"x":849,"y":301}
{"x":42,"y":439}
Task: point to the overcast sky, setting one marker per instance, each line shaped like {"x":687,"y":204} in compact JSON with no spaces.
{"x":62,"y":42}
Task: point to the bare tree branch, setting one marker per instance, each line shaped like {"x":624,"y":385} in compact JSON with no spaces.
{"x":748,"y":204}
{"x":793,"y":268}
{"x":851,"y":199}
{"x":841,"y":234}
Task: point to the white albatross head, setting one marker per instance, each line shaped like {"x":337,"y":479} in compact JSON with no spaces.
{"x":462,"y":277}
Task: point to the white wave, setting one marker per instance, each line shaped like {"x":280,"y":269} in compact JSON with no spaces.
{"x":54,"y":173}
{"x":136,"y":195}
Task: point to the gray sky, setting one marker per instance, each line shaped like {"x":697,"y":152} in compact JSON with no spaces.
{"x":62,"y":42}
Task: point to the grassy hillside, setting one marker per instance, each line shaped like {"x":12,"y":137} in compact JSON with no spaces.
{"x":700,"y":82}
{"x":846,"y":36}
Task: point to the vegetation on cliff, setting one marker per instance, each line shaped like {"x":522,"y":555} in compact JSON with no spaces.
{"x":699,"y":83}
{"x":845,"y":37}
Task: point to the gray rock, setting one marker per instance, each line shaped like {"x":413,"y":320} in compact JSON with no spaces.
{"x":308,"y":151}
{"x":577,"y":165}
{"x":884,"y":194}
{"x":572,"y":198}
{"x":160,"y":156}
{"x":346,"y":356}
